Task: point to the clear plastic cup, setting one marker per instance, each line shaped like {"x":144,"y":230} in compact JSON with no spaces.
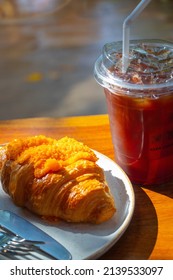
{"x":140,"y":108}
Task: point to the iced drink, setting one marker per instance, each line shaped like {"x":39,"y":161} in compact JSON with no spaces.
{"x":140,"y":108}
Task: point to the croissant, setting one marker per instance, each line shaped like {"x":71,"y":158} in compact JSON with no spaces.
{"x":56,"y":179}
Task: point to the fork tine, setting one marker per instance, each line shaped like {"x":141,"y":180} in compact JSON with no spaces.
{"x":13,"y":248}
{"x":14,"y":251}
{"x":16,"y":247}
{"x":19,"y":239}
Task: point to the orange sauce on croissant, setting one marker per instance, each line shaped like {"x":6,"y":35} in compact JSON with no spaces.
{"x":46,"y":154}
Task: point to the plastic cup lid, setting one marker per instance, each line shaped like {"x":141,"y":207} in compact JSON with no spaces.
{"x":150,"y":66}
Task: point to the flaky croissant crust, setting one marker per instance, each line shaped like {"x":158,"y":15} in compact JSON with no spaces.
{"x":56,"y":179}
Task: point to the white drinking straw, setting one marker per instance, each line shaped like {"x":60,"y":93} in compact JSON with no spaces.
{"x":126,"y":32}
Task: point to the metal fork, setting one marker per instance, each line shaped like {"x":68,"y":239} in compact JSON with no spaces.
{"x":15,"y":245}
{"x":9,"y":242}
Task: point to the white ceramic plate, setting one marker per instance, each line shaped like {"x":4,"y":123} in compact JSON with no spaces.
{"x":85,"y":241}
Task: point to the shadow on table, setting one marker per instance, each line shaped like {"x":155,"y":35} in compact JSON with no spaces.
{"x":140,"y":237}
{"x":164,"y":189}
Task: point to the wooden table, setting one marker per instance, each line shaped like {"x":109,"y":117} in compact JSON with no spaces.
{"x":150,"y":233}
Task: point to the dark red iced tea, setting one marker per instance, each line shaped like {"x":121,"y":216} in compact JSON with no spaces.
{"x":142,"y":133}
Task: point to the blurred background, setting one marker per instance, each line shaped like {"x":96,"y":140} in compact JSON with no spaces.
{"x":48,"y":49}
